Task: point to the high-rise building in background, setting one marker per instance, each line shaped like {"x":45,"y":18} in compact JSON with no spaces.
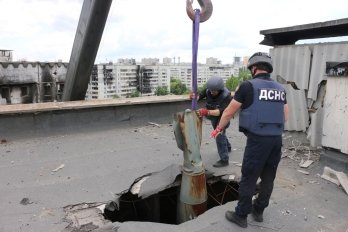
{"x":5,"y":55}
{"x":123,"y":79}
{"x":32,"y":82}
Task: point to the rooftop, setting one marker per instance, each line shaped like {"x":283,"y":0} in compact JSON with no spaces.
{"x":289,"y":35}
{"x":91,"y":153}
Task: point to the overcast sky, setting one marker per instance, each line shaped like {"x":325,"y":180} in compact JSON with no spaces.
{"x":44,"y":30}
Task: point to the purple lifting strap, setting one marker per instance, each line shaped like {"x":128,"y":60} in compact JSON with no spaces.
{"x":195,"y":35}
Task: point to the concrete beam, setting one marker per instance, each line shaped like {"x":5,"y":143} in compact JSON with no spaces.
{"x":289,"y":35}
{"x":87,"y":39}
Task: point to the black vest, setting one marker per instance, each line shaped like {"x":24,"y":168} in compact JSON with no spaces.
{"x":214,"y":103}
{"x":265,"y":116}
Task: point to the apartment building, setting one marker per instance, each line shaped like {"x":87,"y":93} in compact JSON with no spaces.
{"x":5,"y":55}
{"x":33,"y":82}
{"x":126,"y":77}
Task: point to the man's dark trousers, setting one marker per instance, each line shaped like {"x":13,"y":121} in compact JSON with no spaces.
{"x":261,"y":158}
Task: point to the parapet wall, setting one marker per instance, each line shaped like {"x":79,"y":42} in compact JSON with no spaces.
{"x":59,"y":118}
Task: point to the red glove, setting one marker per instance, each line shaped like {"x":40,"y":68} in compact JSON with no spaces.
{"x":215,"y":133}
{"x":202,"y":112}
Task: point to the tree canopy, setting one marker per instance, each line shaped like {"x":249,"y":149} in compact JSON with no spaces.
{"x":177,"y":87}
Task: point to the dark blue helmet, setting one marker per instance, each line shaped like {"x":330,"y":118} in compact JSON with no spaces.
{"x":215,"y":84}
{"x":260,"y":58}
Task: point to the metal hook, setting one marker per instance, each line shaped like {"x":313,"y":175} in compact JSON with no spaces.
{"x":206,"y":12}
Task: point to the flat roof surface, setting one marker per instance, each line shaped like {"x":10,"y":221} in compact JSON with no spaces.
{"x":52,"y":172}
{"x":289,"y":35}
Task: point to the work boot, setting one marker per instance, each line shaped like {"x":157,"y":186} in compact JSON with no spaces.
{"x":221,"y":163}
{"x":258,"y":216}
{"x":233,"y":217}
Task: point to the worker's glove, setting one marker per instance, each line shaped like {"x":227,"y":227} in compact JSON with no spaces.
{"x":215,"y":133}
{"x":202,"y":112}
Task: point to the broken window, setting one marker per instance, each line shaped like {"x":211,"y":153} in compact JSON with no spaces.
{"x":47,"y":89}
{"x":5,"y":93}
{"x":337,"y":68}
{"x":24,"y":91}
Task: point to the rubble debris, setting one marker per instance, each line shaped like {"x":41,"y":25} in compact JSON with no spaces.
{"x":154,"y":197}
{"x":3,"y":141}
{"x":302,"y":171}
{"x":305,"y":163}
{"x":306,"y":155}
{"x":338,"y":178}
{"x":286,"y":212}
{"x":321,"y":216}
{"x":313,"y":182}
{"x":26,"y":201}
{"x":238,"y":164}
{"x":58,"y":168}
{"x":154,"y":124}
{"x":85,"y":216}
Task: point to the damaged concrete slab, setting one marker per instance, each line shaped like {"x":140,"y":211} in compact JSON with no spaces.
{"x":150,"y":198}
{"x":101,"y":163}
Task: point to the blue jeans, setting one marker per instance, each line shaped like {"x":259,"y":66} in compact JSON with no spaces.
{"x":222,"y":143}
{"x":261,"y":158}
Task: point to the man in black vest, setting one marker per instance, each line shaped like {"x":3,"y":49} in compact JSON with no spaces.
{"x":264,"y":111}
{"x":217,"y":99}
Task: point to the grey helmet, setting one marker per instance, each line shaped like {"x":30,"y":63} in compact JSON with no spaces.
{"x":215,"y":84}
{"x":260,"y":58}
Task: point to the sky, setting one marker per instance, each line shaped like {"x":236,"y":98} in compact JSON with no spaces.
{"x":44,"y":30}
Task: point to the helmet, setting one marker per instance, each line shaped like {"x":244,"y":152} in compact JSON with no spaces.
{"x":260,"y":58}
{"x":215,"y":84}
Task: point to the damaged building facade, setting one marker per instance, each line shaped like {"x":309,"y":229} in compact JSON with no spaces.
{"x":316,"y":80}
{"x":126,"y":76}
{"x":34,"y":82}
{"x":31,"y":82}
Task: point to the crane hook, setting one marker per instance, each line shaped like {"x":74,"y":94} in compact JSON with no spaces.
{"x":206,"y":12}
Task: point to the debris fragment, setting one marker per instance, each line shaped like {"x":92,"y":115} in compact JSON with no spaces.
{"x":305,"y":164}
{"x":286,"y":212}
{"x":85,"y":217}
{"x":3,"y":141}
{"x":25,"y":201}
{"x":154,"y":124}
{"x":58,"y":168}
{"x":236,"y":163}
{"x":313,"y":182}
{"x":302,"y":171}
{"x":136,"y":187}
{"x":321,"y":216}
{"x":338,"y":178}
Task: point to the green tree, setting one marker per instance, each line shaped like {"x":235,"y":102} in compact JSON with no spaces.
{"x":244,"y":74}
{"x":133,"y":94}
{"x":232,"y":83}
{"x":177,"y":88}
{"x":161,"y":91}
